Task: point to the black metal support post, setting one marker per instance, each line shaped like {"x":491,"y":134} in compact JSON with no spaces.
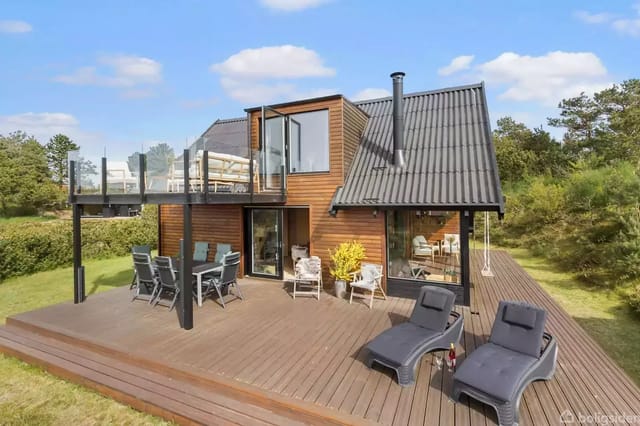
{"x":465,"y":221}
{"x":103,"y":177}
{"x":251,"y":159}
{"x":205,"y":173}
{"x":78,"y":269}
{"x":141,"y":177}
{"x":185,"y":300}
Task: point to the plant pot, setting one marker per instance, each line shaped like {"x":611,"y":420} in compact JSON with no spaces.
{"x":340,"y":288}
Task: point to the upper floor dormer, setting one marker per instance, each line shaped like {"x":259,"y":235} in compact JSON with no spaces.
{"x":307,"y":141}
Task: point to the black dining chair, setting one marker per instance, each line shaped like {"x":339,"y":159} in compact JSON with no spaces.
{"x":143,"y":249}
{"x":147,"y":281}
{"x":167,"y":280}
{"x":227,"y":278}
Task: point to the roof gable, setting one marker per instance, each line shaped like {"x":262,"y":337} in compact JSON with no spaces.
{"x":448,"y":148}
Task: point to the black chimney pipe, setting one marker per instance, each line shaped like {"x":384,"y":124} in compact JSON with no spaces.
{"x":398,"y":121}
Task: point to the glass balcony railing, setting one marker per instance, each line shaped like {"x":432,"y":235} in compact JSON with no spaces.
{"x":160,"y":171}
{"x":84,"y":172}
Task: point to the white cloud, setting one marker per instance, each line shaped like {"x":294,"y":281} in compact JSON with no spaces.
{"x":264,"y":74}
{"x":292,"y":5}
{"x":457,"y":64}
{"x":44,"y":125}
{"x":15,"y":27}
{"x":547,"y":78}
{"x":593,"y":18}
{"x":116,"y":71}
{"x":370,"y":93}
{"x":274,"y":62}
{"x":629,"y":27}
{"x":624,"y":25}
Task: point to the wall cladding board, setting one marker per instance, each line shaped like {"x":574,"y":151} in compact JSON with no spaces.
{"x":211,"y":223}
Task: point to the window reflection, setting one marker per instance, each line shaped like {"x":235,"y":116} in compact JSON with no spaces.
{"x":424,"y":245}
{"x":309,"y":142}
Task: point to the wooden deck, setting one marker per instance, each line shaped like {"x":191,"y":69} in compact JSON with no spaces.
{"x":272,"y":360}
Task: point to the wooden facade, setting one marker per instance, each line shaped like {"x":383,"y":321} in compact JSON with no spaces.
{"x":213,"y":223}
{"x":219,"y":223}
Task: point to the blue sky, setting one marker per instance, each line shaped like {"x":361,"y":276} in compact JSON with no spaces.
{"x":124,"y":74}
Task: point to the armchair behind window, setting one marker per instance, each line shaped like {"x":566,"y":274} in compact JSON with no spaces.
{"x":422,"y":248}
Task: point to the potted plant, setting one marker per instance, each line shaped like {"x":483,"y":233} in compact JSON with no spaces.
{"x":345,"y":259}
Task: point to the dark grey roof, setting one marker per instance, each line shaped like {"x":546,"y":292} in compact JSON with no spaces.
{"x":449,"y":151}
{"x":227,"y":136}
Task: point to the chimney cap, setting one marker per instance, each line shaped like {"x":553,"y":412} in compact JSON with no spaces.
{"x":397,"y":74}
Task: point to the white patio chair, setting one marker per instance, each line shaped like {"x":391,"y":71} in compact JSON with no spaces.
{"x":368,"y":278}
{"x":308,"y":273}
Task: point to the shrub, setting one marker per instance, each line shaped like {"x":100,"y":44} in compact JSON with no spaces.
{"x":345,"y":259}
{"x":633,"y":298}
{"x":31,"y":247}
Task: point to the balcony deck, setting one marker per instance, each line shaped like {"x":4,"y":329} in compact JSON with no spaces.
{"x":272,"y":360}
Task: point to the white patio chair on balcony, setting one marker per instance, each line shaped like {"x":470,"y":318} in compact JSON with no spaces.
{"x":119,"y":177}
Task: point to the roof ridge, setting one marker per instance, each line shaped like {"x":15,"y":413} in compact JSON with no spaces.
{"x":230,"y":120}
{"x":423,"y":93}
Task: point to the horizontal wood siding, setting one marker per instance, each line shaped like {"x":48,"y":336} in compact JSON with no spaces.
{"x":316,"y":190}
{"x":211,"y":223}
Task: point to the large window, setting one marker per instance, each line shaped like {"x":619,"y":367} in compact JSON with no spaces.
{"x":424,"y":245}
{"x":309,"y":142}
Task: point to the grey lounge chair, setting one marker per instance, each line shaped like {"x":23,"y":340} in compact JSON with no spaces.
{"x":227,"y":278}
{"x":147,"y":282}
{"x":432,"y":326}
{"x":518,"y":353}
{"x":201,"y":251}
{"x":167,"y":279}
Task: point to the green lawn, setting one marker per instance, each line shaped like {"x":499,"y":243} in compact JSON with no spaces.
{"x":602,"y":313}
{"x":30,"y":396}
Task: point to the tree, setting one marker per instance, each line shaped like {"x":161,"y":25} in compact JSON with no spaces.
{"x":57,"y":151}
{"x":581,"y":116}
{"x":25,"y":179}
{"x":87,"y":169}
{"x":521,"y":152}
{"x":133,"y":161}
{"x":604,"y":128}
{"x":159,"y":159}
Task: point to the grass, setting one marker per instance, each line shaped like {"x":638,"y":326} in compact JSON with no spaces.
{"x":29,"y":395}
{"x":601,"y":312}
{"x":23,"y":219}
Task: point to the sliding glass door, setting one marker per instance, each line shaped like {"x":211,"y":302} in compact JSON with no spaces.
{"x":265,"y":229}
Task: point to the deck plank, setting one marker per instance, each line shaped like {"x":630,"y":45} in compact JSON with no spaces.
{"x":308,"y":351}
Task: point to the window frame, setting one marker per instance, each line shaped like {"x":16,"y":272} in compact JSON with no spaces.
{"x":290,"y":116}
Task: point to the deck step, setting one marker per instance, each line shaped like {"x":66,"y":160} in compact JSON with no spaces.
{"x":147,"y":390}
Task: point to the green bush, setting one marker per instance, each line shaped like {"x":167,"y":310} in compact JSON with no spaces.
{"x":587,"y":223}
{"x":633,"y":298}
{"x":32,"y":247}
